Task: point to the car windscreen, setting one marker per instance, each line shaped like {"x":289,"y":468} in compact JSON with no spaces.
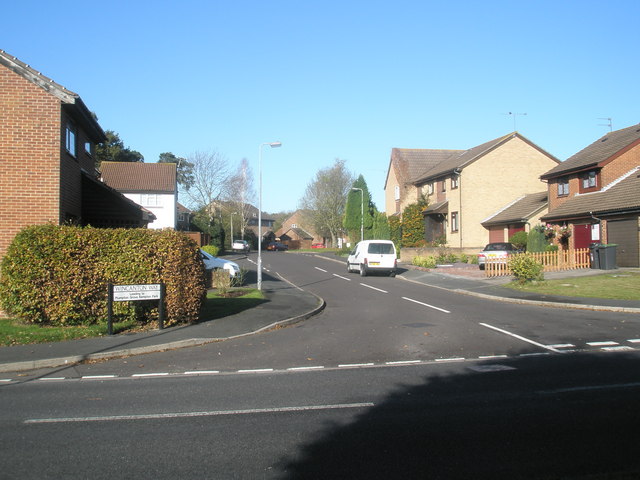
{"x":380,"y":248}
{"x":498,"y":246}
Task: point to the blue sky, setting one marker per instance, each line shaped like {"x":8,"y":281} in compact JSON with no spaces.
{"x":336,"y":79}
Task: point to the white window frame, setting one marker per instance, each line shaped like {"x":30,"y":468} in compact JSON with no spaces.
{"x":70,"y":138}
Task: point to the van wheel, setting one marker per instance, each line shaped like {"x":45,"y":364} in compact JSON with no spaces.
{"x":363,"y":270}
{"x":392,"y":274}
{"x":349,"y":268}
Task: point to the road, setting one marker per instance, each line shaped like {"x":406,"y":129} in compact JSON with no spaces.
{"x":392,"y":380}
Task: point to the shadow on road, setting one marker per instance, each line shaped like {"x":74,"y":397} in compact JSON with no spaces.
{"x":516,"y":420}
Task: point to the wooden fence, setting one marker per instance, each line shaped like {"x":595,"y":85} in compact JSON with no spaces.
{"x":551,"y":262}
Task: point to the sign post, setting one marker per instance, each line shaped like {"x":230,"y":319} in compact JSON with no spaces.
{"x":129,"y":293}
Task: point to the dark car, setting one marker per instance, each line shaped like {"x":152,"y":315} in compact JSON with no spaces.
{"x":277,"y":246}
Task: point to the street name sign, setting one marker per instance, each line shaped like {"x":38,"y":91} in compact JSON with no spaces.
{"x":125,"y":293}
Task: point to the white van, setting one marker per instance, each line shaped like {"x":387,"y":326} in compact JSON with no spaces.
{"x":371,"y":256}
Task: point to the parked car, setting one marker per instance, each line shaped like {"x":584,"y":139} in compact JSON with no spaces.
{"x":317,"y":245}
{"x":240,"y":246}
{"x":371,"y":256}
{"x":499,"y":252}
{"x":277,"y":246}
{"x":215,"y":263}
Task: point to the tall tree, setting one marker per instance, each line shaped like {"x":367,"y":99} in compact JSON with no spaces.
{"x":240,"y":194}
{"x":113,"y":150}
{"x":359,"y":202}
{"x":210,"y":176}
{"x":325,"y":199}
{"x":184,"y":168}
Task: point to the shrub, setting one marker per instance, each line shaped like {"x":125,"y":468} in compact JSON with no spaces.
{"x":536,"y":239}
{"x":519,"y":240}
{"x":425,"y":262}
{"x":58,"y":275}
{"x":525,"y":268}
{"x":211,"y":249}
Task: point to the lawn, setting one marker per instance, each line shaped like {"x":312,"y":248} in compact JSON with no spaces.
{"x":14,"y":332}
{"x":619,"y":285}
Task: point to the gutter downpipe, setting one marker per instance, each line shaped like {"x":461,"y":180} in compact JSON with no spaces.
{"x":458,"y":172}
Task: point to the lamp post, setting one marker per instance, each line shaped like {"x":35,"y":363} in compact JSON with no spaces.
{"x":231,"y":216}
{"x":355,"y":189}
{"x":272,"y":145}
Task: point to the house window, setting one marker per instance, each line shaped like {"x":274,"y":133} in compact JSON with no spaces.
{"x":430,"y":188}
{"x":396,"y":192}
{"x":454,"y":182}
{"x":294,"y":225}
{"x":150,"y":200}
{"x":70,"y":138}
{"x":589,"y":180}
{"x":454,"y":221}
{"x":563,"y":187}
{"x":444,"y":185}
{"x":87,"y":148}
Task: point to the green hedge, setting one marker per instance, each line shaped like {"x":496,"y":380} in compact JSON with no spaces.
{"x":58,"y":275}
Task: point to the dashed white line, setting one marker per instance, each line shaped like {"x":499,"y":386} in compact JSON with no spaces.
{"x":321,"y":269}
{"x":97,"y":377}
{"x":355,"y":365}
{"x":453,"y":359}
{"x":602,"y":344}
{"x":403,"y":362}
{"x":562,"y":345}
{"x":158,"y":374}
{"x":302,"y":369}
{"x":202,"y":372}
{"x":343,"y":278}
{"x":155,"y":416}
{"x":373,"y":288}
{"x":634,"y":340}
{"x":256,"y":370}
{"x":425,"y":304}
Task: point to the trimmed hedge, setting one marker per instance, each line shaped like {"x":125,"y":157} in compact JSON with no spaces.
{"x":58,"y":275}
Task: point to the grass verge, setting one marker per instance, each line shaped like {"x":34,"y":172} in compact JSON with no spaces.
{"x":15,"y":332}
{"x":622,"y":285}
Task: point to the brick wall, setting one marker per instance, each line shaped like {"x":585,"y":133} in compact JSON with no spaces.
{"x":30,"y":126}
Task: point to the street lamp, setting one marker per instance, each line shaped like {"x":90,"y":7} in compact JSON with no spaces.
{"x":355,"y":189}
{"x":231,"y":216}
{"x":272,"y":145}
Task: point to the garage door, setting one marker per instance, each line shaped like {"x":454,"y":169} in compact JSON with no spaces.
{"x":624,"y":233}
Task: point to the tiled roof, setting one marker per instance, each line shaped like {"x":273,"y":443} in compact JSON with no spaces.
{"x":599,"y":151}
{"x":411,"y":163}
{"x":619,"y":196}
{"x":520,"y":210}
{"x":140,"y":177}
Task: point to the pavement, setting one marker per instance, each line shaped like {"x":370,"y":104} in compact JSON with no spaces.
{"x":287,"y":304}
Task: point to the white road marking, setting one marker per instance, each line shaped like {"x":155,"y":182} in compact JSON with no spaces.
{"x":159,"y":374}
{"x":257,"y":370}
{"x":519,"y":337}
{"x":373,"y":288}
{"x":425,"y":304}
{"x":343,"y":278}
{"x":591,"y":387}
{"x":634,"y":340}
{"x":202,"y":372}
{"x":491,"y":357}
{"x":562,"y":345}
{"x":52,"y":378}
{"x":156,"y":416}
{"x":453,"y":359}
{"x":621,"y":348}
{"x":602,"y":344}
{"x":301,"y":369}
{"x":321,"y":269}
{"x":403,"y":362}
{"x":355,"y":365}
{"x":97,"y":377}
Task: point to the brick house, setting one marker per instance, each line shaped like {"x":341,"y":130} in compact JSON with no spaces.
{"x":519,"y":215}
{"x":47,"y":148}
{"x":464,"y":188}
{"x":297,"y":231}
{"x":596,"y":193}
{"x":151,"y":185}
